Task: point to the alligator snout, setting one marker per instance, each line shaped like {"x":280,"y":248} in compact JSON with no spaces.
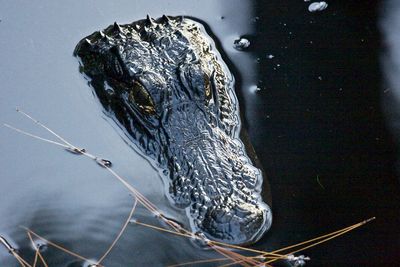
{"x":167,"y":87}
{"x":242,"y":223}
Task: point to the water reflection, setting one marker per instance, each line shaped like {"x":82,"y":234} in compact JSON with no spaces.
{"x":390,"y":27}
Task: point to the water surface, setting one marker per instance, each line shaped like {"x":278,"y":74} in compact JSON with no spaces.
{"x":316,"y":122}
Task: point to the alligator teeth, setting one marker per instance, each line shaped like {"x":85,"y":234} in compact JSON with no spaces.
{"x":105,"y":37}
{"x":117,"y":27}
{"x":180,"y":20}
{"x":166,"y":20}
{"x":149,"y":21}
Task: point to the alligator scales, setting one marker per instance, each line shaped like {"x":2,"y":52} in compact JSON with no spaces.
{"x":167,"y":86}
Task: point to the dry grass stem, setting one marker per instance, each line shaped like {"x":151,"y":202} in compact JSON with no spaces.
{"x":119,"y":234}
{"x":37,"y":251}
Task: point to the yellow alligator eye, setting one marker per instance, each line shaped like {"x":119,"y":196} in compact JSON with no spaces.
{"x":142,"y":99}
{"x":207,"y":86}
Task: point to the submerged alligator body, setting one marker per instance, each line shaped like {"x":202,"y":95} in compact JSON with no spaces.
{"x":167,"y":86}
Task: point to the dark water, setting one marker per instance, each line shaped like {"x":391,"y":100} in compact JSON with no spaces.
{"x":318,"y":114}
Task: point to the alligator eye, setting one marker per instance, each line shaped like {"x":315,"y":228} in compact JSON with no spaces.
{"x":207,"y":87}
{"x":142,"y":99}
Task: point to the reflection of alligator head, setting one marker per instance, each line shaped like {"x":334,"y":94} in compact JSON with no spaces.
{"x":168,"y":87}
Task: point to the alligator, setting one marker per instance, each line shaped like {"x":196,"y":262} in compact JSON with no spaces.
{"x":165,"y":84}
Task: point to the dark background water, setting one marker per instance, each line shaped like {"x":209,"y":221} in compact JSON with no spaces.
{"x":319,"y":113}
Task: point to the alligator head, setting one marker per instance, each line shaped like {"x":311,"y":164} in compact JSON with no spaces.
{"x":164,"y":83}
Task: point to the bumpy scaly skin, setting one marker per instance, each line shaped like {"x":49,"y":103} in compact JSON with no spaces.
{"x":165,"y":83}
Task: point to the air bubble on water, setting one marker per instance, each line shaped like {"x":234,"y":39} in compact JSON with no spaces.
{"x":255,"y":88}
{"x":270,"y":56}
{"x":90,"y":263}
{"x":241,"y":44}
{"x":200,"y":239}
{"x":317,"y":6}
{"x":297,"y":261}
{"x":104,"y":162}
{"x":40,"y":245}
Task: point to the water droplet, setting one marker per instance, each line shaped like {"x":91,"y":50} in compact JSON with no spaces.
{"x":90,"y":264}
{"x":200,"y":239}
{"x":76,"y":150}
{"x":40,"y":245}
{"x":317,"y":6}
{"x":241,"y":44}
{"x":103,"y":162}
